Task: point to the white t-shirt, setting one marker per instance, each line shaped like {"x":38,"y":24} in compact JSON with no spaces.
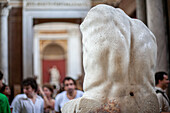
{"x":62,"y":98}
{"x":25,"y":105}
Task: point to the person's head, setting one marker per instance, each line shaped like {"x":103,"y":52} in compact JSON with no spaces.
{"x":30,"y":86}
{"x":1,"y":78}
{"x":5,"y":90}
{"x":69,"y":84}
{"x":48,"y":90}
{"x":161,"y":80}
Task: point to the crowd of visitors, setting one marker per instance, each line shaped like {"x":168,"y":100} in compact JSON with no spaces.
{"x":36,"y":99}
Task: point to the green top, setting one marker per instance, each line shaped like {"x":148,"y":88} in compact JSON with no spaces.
{"x":4,"y":104}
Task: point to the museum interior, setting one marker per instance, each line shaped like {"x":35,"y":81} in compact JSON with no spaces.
{"x":41,"y":38}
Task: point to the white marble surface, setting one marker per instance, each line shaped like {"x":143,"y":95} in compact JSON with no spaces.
{"x":119,"y":59}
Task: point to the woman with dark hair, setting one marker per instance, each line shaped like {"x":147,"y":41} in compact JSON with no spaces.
{"x":47,"y":93}
{"x":6,"y":91}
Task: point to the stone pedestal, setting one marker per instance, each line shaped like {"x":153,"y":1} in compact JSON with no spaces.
{"x":4,"y":10}
{"x":155,"y":19}
{"x":141,"y":10}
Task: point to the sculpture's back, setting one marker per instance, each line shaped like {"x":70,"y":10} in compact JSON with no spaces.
{"x":119,"y":58}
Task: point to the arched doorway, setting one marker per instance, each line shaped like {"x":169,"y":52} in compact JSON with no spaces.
{"x":53,"y":55}
{"x":60,"y":37}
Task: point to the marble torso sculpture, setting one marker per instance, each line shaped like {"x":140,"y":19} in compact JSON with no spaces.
{"x":119,"y":61}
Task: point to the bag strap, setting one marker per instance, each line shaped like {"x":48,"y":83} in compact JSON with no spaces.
{"x":158,"y":91}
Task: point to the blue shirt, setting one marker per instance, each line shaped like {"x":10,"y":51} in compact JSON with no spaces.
{"x":62,"y":98}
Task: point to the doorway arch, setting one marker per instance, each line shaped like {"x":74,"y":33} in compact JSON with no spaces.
{"x":68,"y":37}
{"x":53,"y":55}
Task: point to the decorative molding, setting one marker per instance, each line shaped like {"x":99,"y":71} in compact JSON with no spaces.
{"x":3,"y":4}
{"x":114,"y":3}
{"x":19,"y":3}
{"x":4,"y":1}
{"x":58,"y":57}
{"x":16,"y":3}
{"x":4,"y":9}
{"x":53,"y":32}
{"x":56,"y":4}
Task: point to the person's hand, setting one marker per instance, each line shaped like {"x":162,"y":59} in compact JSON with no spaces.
{"x":41,"y":91}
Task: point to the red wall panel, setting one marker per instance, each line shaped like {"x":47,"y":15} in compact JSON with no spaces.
{"x":47,"y":65}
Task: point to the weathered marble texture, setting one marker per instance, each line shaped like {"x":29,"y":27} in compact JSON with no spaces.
{"x":119,"y":58}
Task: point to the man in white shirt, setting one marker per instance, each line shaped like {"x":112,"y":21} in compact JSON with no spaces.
{"x":161,"y":80}
{"x":67,"y":95}
{"x":16,"y":99}
{"x":32,"y":103}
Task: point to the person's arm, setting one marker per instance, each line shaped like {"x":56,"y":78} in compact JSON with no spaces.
{"x":46,"y":101}
{"x":17,"y":107}
{"x":14,"y":101}
{"x":56,"y":107}
{"x":6,"y":106}
{"x":53,"y":104}
{"x":42,"y":107}
{"x":163,"y":103}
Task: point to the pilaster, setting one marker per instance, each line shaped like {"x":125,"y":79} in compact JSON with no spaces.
{"x":156,"y":23}
{"x":4,"y":11}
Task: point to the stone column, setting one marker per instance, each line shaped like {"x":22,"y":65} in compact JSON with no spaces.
{"x":4,"y":11}
{"x":141,"y":10}
{"x":156,"y":23}
{"x":74,"y":55}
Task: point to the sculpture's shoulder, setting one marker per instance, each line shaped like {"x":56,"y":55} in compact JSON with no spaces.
{"x":80,"y":105}
{"x":70,"y":106}
{"x":87,"y":105}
